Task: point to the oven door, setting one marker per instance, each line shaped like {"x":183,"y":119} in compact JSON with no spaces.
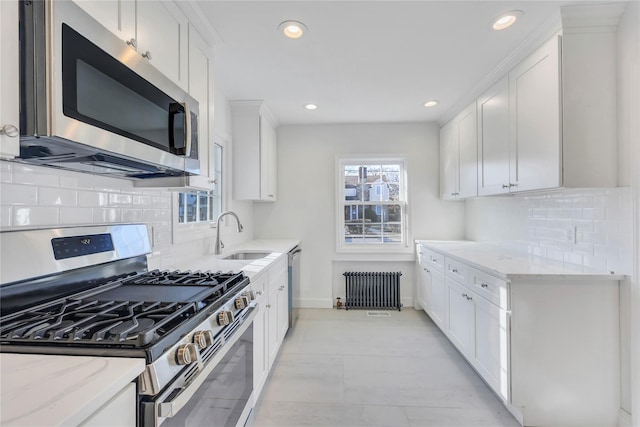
{"x":221,"y":393}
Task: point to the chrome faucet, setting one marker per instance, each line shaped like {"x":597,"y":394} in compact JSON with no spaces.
{"x":219,"y":244}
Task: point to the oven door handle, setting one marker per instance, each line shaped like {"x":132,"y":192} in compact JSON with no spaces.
{"x":171,"y":408}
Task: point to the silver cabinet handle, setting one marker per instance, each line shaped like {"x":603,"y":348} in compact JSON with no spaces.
{"x":505,"y":186}
{"x":484,"y":285}
{"x":464,"y":296}
{"x":132,"y":42}
{"x":469,"y":298}
{"x":147,"y":55}
{"x":454,"y":270}
{"x":270,"y":195}
{"x":426,"y":269}
{"x":512,"y":185}
{"x":258,"y":292}
{"x":281,"y":288}
{"x":268,"y":305}
{"x":10,"y":130}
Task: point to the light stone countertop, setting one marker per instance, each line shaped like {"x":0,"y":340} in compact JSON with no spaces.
{"x":43,"y":390}
{"x":507,"y":261}
{"x":252,"y":268}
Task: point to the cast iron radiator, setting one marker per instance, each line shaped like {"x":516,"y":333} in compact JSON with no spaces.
{"x":373,"y":290}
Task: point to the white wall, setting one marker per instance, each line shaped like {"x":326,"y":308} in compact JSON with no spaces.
{"x":305,"y":207}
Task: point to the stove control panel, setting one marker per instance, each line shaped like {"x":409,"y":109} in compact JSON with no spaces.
{"x":203,"y":339}
{"x":186,"y":354}
{"x":224,"y":318}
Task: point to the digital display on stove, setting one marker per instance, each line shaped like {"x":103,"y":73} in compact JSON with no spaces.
{"x":70,"y":247}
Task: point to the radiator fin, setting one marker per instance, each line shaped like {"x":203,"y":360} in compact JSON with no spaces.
{"x":372,"y":290}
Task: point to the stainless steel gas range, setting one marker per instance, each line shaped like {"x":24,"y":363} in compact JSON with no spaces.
{"x":87,"y":291}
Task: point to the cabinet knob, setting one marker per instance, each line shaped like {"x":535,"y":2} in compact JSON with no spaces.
{"x":132,"y":42}
{"x":270,"y":195}
{"x":505,"y":186}
{"x":281,"y":288}
{"x":512,"y":185}
{"x":469,"y":298}
{"x":426,"y":269}
{"x":268,"y":305}
{"x":465,"y":296}
{"x":147,"y":55}
{"x":258,"y":292}
{"x":454,"y":270}
{"x":484,"y":285}
{"x":10,"y":130}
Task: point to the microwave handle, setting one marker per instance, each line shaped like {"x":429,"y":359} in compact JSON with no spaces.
{"x":187,"y":127}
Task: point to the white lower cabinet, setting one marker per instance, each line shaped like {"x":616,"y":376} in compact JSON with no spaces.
{"x":547,"y":345}
{"x":119,"y":411}
{"x":272,"y":321}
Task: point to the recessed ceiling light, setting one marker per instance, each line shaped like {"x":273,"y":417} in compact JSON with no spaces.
{"x":506,"y":20}
{"x":431,"y":103}
{"x":292,"y":29}
{"x":310,"y":106}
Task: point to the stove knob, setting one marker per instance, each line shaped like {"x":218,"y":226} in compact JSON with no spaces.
{"x":203,"y":339}
{"x":224,"y":318}
{"x":187,"y":354}
{"x":251,"y":295}
{"x":241,"y":302}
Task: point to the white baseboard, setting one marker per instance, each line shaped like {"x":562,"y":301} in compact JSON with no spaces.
{"x":624,"y":418}
{"x":407,"y":302}
{"x":313,"y":303}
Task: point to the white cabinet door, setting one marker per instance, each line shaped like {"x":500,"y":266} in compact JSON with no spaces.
{"x":118,"y":16}
{"x":535,"y":100}
{"x":459,"y":157}
{"x":260,"y":344}
{"x":201,"y":89}
{"x":491,"y":357}
{"x":460,"y":317}
{"x":493,"y":139}
{"x":162,"y":36}
{"x":9,"y":87}
{"x":119,"y":411}
{"x":268,"y":165}
{"x":423,"y":286}
{"x":272,"y":326}
{"x":467,"y":153}
{"x":254,"y":151}
{"x":438,"y":300}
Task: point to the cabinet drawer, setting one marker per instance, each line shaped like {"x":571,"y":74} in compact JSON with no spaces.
{"x":456,"y":270}
{"x":490,"y":287}
{"x":431,"y":259}
{"x":278,"y":281}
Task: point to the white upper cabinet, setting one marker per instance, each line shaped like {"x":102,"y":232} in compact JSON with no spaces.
{"x":459,"y":159}
{"x":534,"y":96}
{"x":9,"y":88}
{"x":157,"y":29}
{"x":493,"y":139}
{"x":162,"y":36}
{"x":118,"y":16}
{"x":254,"y":151}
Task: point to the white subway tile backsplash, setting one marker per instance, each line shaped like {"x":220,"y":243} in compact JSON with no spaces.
{"x":5,"y":216}
{"x":15,"y":194}
{"x":93,"y":199}
{"x":35,"y":216}
{"x":5,"y":172}
{"x":33,"y":175}
{"x":142,"y":201}
{"x":120,"y":200}
{"x":132,"y":215}
{"x":76,"y":216}
{"x":76,"y":180}
{"x":106,"y":215}
{"x":48,"y":196}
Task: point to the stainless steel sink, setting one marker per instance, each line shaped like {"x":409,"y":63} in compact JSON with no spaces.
{"x":247,"y":255}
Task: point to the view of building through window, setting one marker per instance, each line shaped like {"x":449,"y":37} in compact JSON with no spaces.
{"x":374,"y":202}
{"x":203,"y":206}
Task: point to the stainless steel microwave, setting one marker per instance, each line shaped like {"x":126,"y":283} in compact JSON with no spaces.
{"x":90,"y":103}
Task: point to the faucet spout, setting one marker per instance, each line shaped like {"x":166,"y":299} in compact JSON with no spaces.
{"x":218,"y":244}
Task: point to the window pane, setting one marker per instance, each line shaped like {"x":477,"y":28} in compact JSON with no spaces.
{"x":191,"y":207}
{"x":203,"y":208}
{"x":181,"y":215}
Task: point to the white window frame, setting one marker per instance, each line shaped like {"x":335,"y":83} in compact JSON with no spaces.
{"x":184,"y":232}
{"x":374,"y":248}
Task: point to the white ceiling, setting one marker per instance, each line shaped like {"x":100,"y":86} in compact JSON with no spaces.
{"x":364,"y":61}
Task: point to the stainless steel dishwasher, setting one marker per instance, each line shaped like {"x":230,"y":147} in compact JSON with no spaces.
{"x":294,"y":283}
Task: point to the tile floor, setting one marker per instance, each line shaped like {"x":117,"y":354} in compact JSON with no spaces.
{"x":344,"y":368}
